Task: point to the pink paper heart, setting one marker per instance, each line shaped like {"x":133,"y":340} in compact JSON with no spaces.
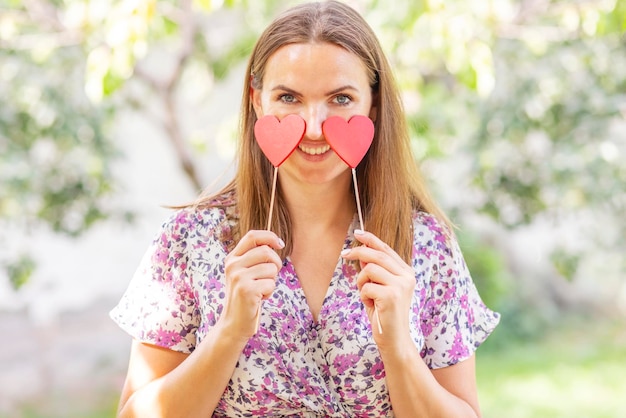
{"x":279,"y":138}
{"x":350,"y":140}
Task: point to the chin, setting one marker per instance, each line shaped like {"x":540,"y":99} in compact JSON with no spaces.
{"x":336,"y":175}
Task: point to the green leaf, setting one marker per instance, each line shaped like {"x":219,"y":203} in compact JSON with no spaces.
{"x":566,"y":263}
{"x":20,"y":270}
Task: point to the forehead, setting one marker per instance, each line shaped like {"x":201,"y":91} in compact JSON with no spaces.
{"x":314,"y":64}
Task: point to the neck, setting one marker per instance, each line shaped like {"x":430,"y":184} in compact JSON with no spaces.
{"x":313,"y":206}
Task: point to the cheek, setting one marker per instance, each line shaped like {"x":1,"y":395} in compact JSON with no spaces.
{"x":264,"y":104}
{"x":269,"y":107}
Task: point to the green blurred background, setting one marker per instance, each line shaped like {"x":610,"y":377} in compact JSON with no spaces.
{"x":111,"y":109}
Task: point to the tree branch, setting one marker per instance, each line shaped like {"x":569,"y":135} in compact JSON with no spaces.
{"x":166,"y":92}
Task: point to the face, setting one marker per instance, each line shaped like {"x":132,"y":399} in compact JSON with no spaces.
{"x":314,"y":81}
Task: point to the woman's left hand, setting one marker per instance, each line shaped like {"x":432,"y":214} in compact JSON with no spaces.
{"x":386,"y":284}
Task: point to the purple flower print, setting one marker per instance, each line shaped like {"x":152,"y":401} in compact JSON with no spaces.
{"x":254,"y":345}
{"x":166,"y":338}
{"x":458,"y":351}
{"x":464,"y":302}
{"x":344,"y":362}
{"x":294,"y":365}
{"x":378,"y":370}
{"x":161,"y":256}
{"x":450,"y":293}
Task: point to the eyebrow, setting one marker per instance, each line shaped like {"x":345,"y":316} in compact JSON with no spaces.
{"x":330,"y":93}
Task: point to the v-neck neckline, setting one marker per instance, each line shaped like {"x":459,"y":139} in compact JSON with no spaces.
{"x":347,"y":242}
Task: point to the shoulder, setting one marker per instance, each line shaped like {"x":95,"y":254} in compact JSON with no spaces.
{"x":435,"y":245}
{"x":191,"y":218}
{"x":192,"y":222}
{"x":431,"y":231}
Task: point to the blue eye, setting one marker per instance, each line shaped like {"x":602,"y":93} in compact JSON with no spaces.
{"x":343,"y":99}
{"x":287,"y":98}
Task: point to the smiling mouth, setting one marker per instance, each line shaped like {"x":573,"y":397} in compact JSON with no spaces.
{"x":314,"y":150}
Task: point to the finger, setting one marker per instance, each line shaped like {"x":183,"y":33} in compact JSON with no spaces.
{"x":266,"y":287}
{"x":372,"y":241}
{"x":235,"y":265}
{"x":253,"y":285}
{"x":260,"y":255}
{"x":373,"y":273}
{"x":261,"y":271}
{"x":246,"y":277}
{"x":371,"y":293}
{"x":255,"y":238}
{"x":367,"y":256}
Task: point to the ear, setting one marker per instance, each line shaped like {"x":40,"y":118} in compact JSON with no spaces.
{"x":255,"y":99}
{"x":374,"y":109}
{"x":373,"y":113}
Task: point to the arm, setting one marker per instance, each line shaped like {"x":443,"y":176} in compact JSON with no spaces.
{"x":415,"y":390}
{"x":166,"y":383}
{"x":387,"y":284}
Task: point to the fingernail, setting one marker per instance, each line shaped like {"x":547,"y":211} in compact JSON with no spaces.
{"x":345,"y":252}
{"x":359,"y":232}
{"x":281,"y":243}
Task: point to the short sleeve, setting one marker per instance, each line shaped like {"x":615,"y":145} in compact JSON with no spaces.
{"x":453,"y":319}
{"x":159,"y":306}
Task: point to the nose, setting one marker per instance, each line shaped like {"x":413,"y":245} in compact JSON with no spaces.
{"x":314,"y":118}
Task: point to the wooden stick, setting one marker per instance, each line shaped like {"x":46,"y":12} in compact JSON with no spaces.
{"x":269,"y":226}
{"x":258,"y":317}
{"x":272,"y":198}
{"x":360,"y":212}
{"x":358,"y":199}
{"x":380,"y":328}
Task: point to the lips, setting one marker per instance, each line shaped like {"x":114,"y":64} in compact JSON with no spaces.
{"x":314,"y":150}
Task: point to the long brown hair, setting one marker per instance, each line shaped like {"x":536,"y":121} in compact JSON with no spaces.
{"x":389,"y":181}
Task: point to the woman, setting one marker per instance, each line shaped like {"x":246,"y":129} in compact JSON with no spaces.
{"x":192,"y":306}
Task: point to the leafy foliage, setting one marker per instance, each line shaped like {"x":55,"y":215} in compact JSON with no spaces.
{"x":65,"y":68}
{"x":525,"y":98}
{"x":54,"y":152}
{"x":525,"y":101}
{"x":20,"y":269}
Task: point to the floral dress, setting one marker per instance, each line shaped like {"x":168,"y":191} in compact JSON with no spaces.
{"x":294,"y":365}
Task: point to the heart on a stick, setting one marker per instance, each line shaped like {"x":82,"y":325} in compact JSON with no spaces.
{"x":279,"y":138}
{"x":350,"y":140}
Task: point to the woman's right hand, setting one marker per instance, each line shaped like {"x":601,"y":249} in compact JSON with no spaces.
{"x":250,"y":269}
{"x":158,"y":379}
